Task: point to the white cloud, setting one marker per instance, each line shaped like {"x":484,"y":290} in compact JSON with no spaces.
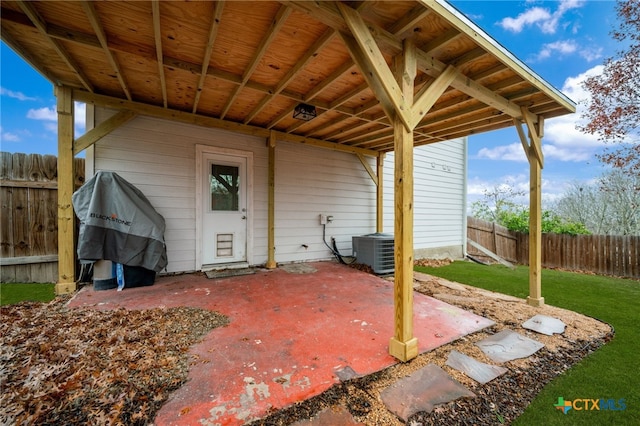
{"x":8,"y":136}
{"x":530,"y":17}
{"x":563,"y":47}
{"x":50,"y":117}
{"x":546,"y":21}
{"x":512,"y":152}
{"x":567,"y":47}
{"x":44,"y":113}
{"x":15,"y":95}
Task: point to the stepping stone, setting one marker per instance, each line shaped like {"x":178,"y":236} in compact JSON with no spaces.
{"x":508,"y":345}
{"x":478,"y":371}
{"x":422,"y":391}
{"x":544,"y":324}
{"x":330,"y":417}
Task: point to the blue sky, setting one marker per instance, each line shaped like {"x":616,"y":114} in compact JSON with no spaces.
{"x":562,"y":41}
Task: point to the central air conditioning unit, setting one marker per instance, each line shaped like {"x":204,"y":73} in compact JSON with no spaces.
{"x":375,"y":250}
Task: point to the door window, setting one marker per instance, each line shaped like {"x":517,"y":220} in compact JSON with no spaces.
{"x":225,"y":187}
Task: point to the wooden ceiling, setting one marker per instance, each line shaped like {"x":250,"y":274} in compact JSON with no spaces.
{"x":251,"y":63}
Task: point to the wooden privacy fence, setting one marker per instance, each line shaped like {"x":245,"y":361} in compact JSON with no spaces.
{"x":617,"y":255}
{"x":29,"y":216}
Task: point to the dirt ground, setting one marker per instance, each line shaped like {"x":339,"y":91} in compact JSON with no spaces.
{"x":60,"y":366}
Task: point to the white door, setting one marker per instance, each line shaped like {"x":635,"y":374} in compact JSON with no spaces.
{"x":224,"y":216}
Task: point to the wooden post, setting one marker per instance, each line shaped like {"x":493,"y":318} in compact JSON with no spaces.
{"x":403,"y":345}
{"x":535,"y":232}
{"x":533,"y":149}
{"x":66,"y":176}
{"x":379,"y":193}
{"x":271,"y":244}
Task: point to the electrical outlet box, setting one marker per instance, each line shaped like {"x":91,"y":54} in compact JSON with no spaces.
{"x":323,"y":219}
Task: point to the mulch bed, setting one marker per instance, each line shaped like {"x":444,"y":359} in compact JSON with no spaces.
{"x":82,"y":366}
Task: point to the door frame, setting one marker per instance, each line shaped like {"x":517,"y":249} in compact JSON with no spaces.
{"x":201,"y":152}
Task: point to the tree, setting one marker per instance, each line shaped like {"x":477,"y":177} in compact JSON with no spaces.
{"x":496,"y":203}
{"x":499,"y":206}
{"x":614,"y":110}
{"x":610,"y":206}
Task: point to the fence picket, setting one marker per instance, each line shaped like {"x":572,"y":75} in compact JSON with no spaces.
{"x":600,"y":254}
{"x":29,"y":215}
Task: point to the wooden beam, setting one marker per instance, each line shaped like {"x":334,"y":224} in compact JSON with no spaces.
{"x":271,"y":210}
{"x":92,"y":15}
{"x":103,"y":129}
{"x":34,"y":16}
{"x":490,"y":253}
{"x":205,"y":121}
{"x":157,"y":36}
{"x":373,"y":64}
{"x":403,"y":345}
{"x":276,"y":24}
{"x":430,"y":94}
{"x":213,"y":32}
{"x":293,"y":72}
{"x":368,"y":168}
{"x":536,"y":142}
{"x":66,"y":172}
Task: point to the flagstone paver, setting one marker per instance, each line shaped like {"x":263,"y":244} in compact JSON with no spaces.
{"x":478,"y":371}
{"x":544,"y":324}
{"x":508,"y":345}
{"x":422,"y":391}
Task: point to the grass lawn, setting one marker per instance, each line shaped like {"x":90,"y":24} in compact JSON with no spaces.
{"x":17,"y":292}
{"x":612,"y":372}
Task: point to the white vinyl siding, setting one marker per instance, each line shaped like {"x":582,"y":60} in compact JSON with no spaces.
{"x":158,"y":157}
{"x":439,"y":197}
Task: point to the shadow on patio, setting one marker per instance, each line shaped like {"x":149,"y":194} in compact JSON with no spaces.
{"x":292,"y":335}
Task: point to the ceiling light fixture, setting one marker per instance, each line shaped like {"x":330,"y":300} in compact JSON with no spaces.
{"x":304,"y":112}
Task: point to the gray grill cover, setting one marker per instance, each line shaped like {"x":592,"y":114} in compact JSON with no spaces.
{"x":118,"y":223}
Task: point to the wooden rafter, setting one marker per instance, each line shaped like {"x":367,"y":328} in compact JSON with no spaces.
{"x":277,"y":23}
{"x":90,"y":11}
{"x":409,"y":20}
{"x":36,"y":19}
{"x":370,"y":59}
{"x":8,"y":38}
{"x":293,"y":72}
{"x":157,"y":36}
{"x":213,"y":32}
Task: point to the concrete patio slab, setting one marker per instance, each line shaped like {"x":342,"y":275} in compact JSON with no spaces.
{"x":422,"y":391}
{"x":291,"y":336}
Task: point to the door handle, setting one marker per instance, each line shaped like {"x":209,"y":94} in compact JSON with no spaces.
{"x":244,"y":217}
